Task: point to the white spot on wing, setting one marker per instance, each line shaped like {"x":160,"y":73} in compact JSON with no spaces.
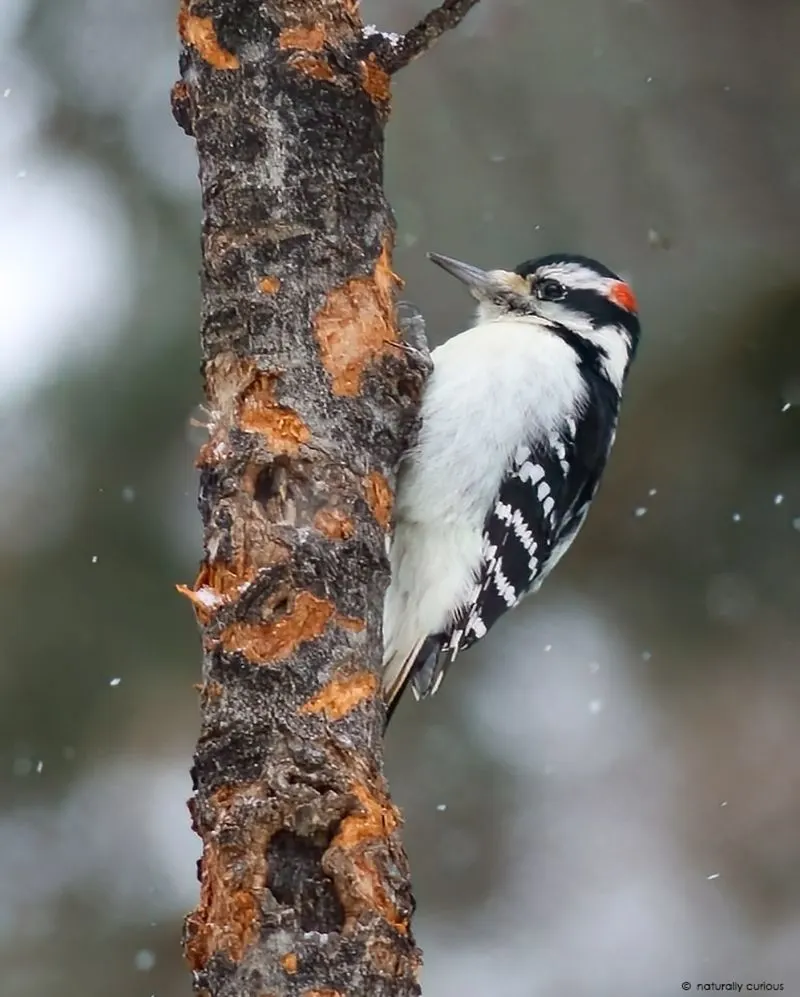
{"x":531,"y":472}
{"x":504,"y":586}
{"x":523,"y":531}
{"x":521,"y":455}
{"x":503,"y":512}
{"x":477,"y":626}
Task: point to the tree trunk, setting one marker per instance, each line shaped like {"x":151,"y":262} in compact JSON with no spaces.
{"x":311,"y":397}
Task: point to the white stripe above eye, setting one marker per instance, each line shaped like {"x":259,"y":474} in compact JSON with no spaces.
{"x":576,"y":275}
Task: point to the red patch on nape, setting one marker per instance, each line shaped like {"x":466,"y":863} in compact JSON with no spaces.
{"x":623,"y":296}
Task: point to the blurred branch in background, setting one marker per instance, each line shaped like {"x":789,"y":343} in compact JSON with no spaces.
{"x":304,"y":881}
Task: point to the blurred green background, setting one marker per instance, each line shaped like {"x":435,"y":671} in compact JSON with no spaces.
{"x":605,"y":797}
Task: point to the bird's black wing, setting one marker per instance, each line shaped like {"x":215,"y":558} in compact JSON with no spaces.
{"x":540,"y":506}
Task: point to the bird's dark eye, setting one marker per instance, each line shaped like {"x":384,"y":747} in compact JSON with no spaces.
{"x":550,"y":290}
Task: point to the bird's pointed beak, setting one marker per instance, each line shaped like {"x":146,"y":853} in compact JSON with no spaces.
{"x":473,"y":277}
{"x":481,"y":283}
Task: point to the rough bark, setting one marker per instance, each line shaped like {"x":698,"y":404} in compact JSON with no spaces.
{"x":311,"y":397}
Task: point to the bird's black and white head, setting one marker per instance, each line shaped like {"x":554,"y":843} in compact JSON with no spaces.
{"x":573,"y":293}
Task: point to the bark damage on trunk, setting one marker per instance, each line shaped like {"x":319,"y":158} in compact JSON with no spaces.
{"x":304,"y":884}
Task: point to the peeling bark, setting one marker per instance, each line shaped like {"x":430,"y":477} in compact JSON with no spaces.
{"x":304,"y":884}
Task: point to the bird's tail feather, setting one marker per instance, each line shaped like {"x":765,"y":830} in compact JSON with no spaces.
{"x":422,"y":669}
{"x":397,"y":670}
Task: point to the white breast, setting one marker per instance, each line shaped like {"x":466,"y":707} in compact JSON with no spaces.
{"x":492,"y":386}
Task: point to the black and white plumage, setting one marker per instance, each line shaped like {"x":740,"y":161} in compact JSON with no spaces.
{"x":518,"y":418}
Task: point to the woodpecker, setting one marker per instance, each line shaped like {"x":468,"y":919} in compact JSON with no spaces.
{"x":517,"y":421}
